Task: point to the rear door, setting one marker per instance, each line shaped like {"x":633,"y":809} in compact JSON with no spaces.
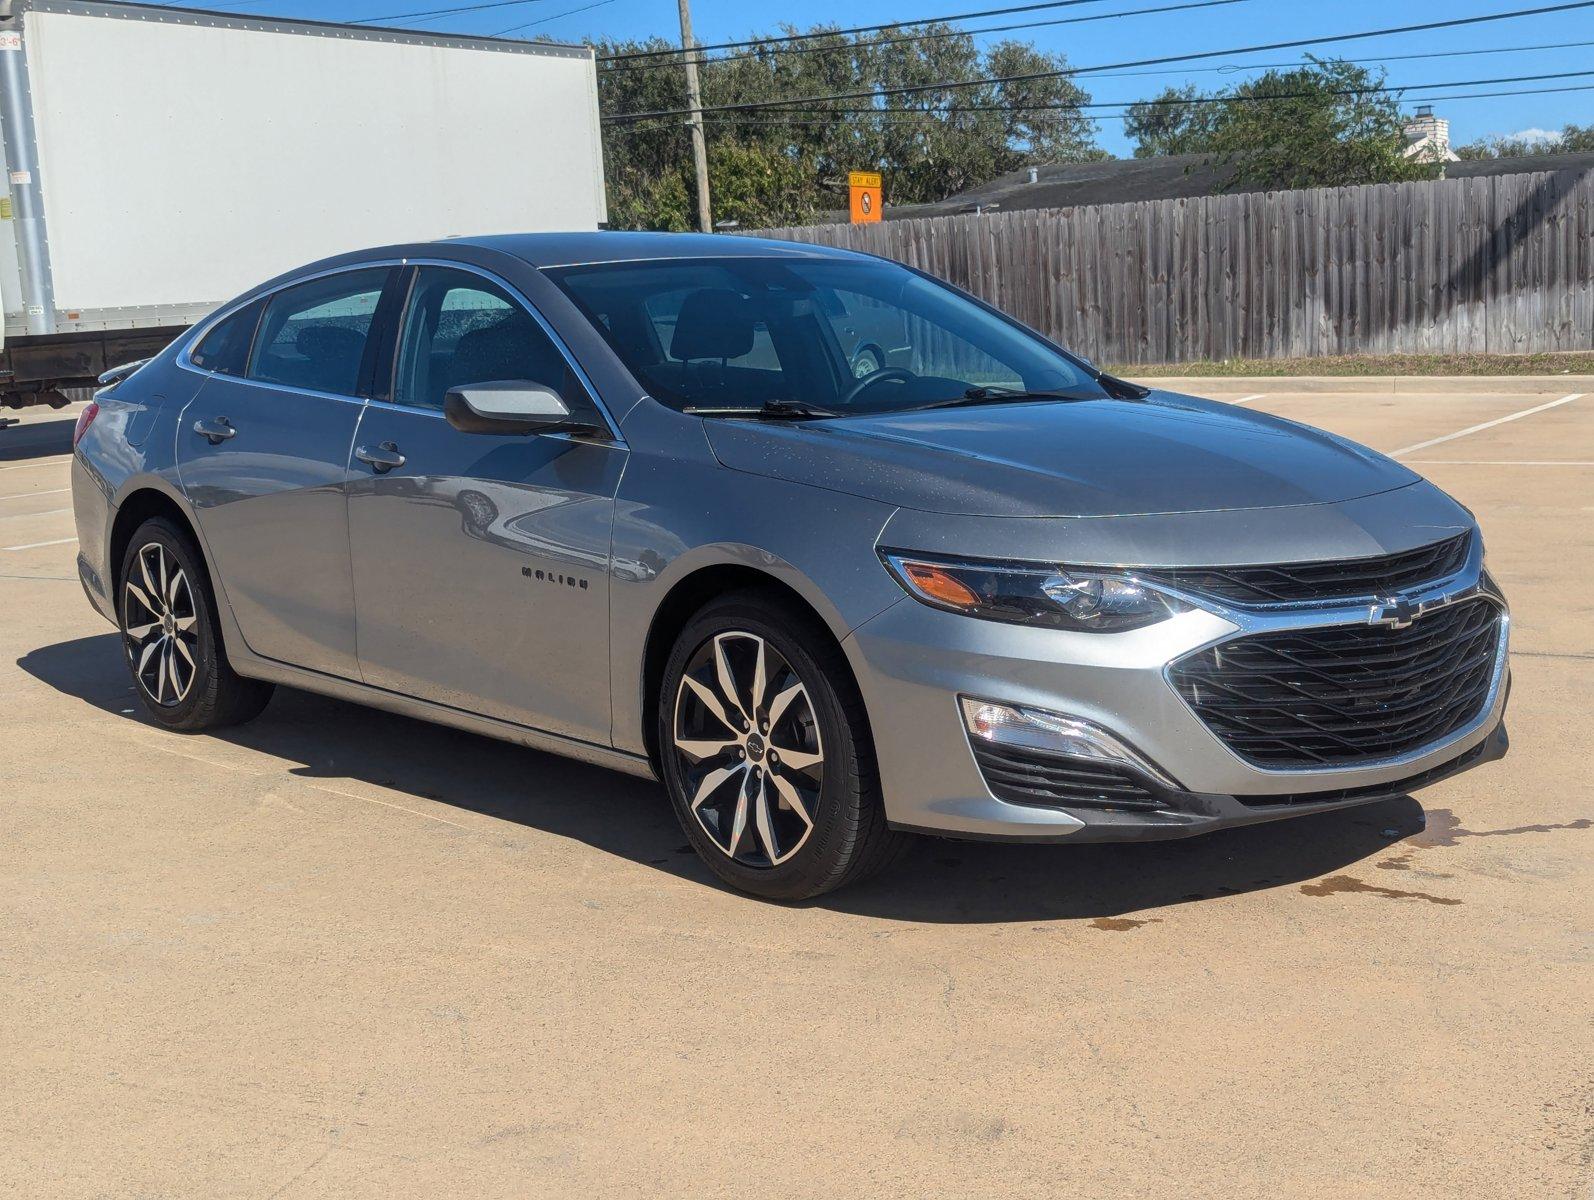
{"x":263,"y":453}
{"x":481,"y":561}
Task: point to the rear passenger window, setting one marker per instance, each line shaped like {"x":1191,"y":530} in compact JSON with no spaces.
{"x":225,"y":349}
{"x":313,"y":336}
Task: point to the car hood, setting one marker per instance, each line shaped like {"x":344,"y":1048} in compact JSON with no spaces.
{"x":1164,"y":454}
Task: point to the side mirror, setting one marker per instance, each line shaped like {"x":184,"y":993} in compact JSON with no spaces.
{"x":511,"y":407}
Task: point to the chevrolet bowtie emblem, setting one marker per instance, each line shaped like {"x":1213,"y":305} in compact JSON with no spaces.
{"x":1397,"y":612}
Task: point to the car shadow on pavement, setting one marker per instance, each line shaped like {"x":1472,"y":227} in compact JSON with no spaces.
{"x":939,"y":881}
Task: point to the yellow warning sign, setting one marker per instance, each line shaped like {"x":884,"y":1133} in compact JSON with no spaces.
{"x":864,"y":196}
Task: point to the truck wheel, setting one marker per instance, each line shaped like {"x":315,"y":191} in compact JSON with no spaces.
{"x":172,"y":637}
{"x":765,"y":750}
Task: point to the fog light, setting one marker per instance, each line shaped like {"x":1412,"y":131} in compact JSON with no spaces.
{"x":1051,"y":733}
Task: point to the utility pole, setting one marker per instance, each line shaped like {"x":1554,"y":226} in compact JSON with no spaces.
{"x":694,"y":101}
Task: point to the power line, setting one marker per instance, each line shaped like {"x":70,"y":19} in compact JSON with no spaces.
{"x":803,"y":37}
{"x":928,"y":37}
{"x":1387,"y":58}
{"x":1231,"y":68}
{"x":446,"y":12}
{"x":544,"y":20}
{"x":915,"y":117}
{"x":1219,"y":98}
{"x":947,"y":85}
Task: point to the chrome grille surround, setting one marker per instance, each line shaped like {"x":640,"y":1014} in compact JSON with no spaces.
{"x":1323,"y":582}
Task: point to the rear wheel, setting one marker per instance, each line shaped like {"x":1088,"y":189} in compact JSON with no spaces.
{"x":172,"y":638}
{"x":765,"y":749}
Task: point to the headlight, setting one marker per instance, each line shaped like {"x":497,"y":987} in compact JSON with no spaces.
{"x":1082,"y":599}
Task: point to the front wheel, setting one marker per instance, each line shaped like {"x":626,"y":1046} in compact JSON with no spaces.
{"x":765,"y":749}
{"x":171,"y":636}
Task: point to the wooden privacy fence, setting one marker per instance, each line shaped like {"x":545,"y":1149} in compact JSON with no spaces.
{"x":1501,"y":265}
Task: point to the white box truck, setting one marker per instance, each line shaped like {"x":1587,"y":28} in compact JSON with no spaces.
{"x":161,"y":160}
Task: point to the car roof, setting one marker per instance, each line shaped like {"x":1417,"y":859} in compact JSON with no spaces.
{"x":571,"y":249}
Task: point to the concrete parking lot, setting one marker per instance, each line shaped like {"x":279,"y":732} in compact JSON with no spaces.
{"x":340,"y":953}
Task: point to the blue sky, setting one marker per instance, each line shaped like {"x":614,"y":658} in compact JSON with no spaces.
{"x":1247,"y":22}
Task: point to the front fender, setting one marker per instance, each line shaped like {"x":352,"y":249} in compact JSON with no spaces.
{"x":678,"y":512}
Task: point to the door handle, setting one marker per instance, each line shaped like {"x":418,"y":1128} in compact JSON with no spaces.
{"x":215,"y":432}
{"x":381,"y":460}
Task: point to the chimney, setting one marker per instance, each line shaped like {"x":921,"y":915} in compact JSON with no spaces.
{"x":1428,"y":136}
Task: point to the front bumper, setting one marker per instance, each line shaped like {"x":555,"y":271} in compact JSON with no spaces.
{"x":1182,"y":814}
{"x":913,"y":663}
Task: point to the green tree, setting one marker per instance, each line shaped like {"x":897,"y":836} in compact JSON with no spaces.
{"x":1571,"y":139}
{"x":789,"y":166}
{"x":1318,"y":125}
{"x":1171,"y":123}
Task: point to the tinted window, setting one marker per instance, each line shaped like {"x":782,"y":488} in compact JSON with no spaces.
{"x":313,"y":336}
{"x":664,"y":313}
{"x":736,"y":333}
{"x":459,"y":328}
{"x":226,"y":347}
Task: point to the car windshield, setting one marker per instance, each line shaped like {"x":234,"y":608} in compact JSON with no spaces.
{"x":812,"y":337}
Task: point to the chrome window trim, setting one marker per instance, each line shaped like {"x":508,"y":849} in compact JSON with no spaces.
{"x":524,"y":301}
{"x":1469,"y":583}
{"x":202,"y":330}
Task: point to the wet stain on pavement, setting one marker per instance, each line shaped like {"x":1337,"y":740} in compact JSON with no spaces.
{"x":1122,"y":924}
{"x":1402,"y":862}
{"x":1444,"y":828}
{"x":1340,"y":884}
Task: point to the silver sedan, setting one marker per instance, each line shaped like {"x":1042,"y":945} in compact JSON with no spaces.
{"x":835,"y":551}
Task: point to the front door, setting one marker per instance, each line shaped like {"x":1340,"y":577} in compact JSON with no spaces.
{"x":263,"y":455}
{"x":481,"y":561}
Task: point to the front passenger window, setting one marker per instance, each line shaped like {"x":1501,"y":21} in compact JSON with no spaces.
{"x":462,"y":329}
{"x":313,"y":336}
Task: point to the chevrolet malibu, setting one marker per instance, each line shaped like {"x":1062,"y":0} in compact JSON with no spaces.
{"x":833,"y":550}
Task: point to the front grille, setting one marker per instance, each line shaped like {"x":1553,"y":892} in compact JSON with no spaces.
{"x":1345,"y":694}
{"x":1341,"y":579}
{"x":1036,"y":777}
{"x":1372,"y":791}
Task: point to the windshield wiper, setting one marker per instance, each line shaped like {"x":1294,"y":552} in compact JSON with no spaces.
{"x":770,"y":410}
{"x":998,"y":395}
{"x":1121,"y":389}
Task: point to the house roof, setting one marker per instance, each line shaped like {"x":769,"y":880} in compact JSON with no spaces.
{"x":1165,"y":177}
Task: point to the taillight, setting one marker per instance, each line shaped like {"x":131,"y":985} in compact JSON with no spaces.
{"x":84,"y":420}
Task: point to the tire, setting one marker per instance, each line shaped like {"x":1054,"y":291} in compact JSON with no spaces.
{"x":867,"y":360}
{"x":785,"y":810}
{"x":171,"y":635}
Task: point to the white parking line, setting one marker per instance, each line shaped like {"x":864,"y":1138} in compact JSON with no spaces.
{"x":1471,"y":429}
{"x":49,"y":512}
{"x":1248,"y":399}
{"x":30,"y":495}
{"x":38,"y":545}
{"x":1500,"y":462}
{"x":38,"y":462}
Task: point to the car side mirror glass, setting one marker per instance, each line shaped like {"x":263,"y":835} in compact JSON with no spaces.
{"x":511,"y":407}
